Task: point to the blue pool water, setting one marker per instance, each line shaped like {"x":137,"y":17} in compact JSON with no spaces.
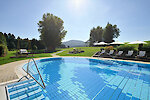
{"x":76,"y":78}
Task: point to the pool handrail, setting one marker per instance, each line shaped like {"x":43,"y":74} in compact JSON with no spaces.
{"x":43,"y":86}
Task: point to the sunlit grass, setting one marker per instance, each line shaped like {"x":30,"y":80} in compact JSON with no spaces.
{"x":88,"y":51}
{"x":7,"y":59}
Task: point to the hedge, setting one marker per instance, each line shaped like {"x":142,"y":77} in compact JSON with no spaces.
{"x":126,"y":48}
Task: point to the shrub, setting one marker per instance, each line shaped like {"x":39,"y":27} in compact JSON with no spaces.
{"x":2,"y":39}
{"x":109,"y":48}
{"x":3,"y":50}
{"x":126,"y":48}
{"x":146,"y":48}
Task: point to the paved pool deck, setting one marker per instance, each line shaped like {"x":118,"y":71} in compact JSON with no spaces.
{"x":9,"y":72}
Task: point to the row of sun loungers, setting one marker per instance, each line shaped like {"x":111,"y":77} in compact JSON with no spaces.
{"x":121,"y":54}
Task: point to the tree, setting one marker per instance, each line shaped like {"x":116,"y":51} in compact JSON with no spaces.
{"x":6,"y":37}
{"x":2,"y":39}
{"x":52,"y":31}
{"x":38,"y":43}
{"x":25,"y":43}
{"x":3,"y":45}
{"x":110,"y":32}
{"x":34,"y":47}
{"x":10,"y":41}
{"x":34,"y":43}
{"x":96,"y":35}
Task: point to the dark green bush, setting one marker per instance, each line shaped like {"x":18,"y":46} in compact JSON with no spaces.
{"x":146,"y":48}
{"x":34,"y":47}
{"x":126,"y":48}
{"x":3,"y":50}
{"x":2,"y":39}
{"x":109,"y":48}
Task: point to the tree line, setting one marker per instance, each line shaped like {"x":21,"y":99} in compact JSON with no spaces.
{"x":106,"y":34}
{"x":14,"y":43}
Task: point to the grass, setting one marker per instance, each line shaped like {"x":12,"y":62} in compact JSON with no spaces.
{"x":7,"y":59}
{"x":88,"y":51}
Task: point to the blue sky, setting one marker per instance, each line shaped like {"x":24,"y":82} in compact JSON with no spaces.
{"x":132,"y":17}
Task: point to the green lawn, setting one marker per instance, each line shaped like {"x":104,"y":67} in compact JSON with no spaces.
{"x":88,"y":51}
{"x":7,"y":59}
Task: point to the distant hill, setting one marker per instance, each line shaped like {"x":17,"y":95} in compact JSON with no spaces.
{"x":74,"y":43}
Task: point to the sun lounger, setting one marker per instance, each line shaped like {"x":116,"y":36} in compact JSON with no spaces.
{"x":110,"y":52}
{"x":96,"y":54}
{"x":102,"y":52}
{"x":119,"y":53}
{"x":23,"y":51}
{"x":129,"y":54}
{"x":109,"y":55}
{"x":141,"y":54}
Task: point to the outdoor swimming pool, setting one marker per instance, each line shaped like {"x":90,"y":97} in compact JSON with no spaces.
{"x":71,"y":78}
